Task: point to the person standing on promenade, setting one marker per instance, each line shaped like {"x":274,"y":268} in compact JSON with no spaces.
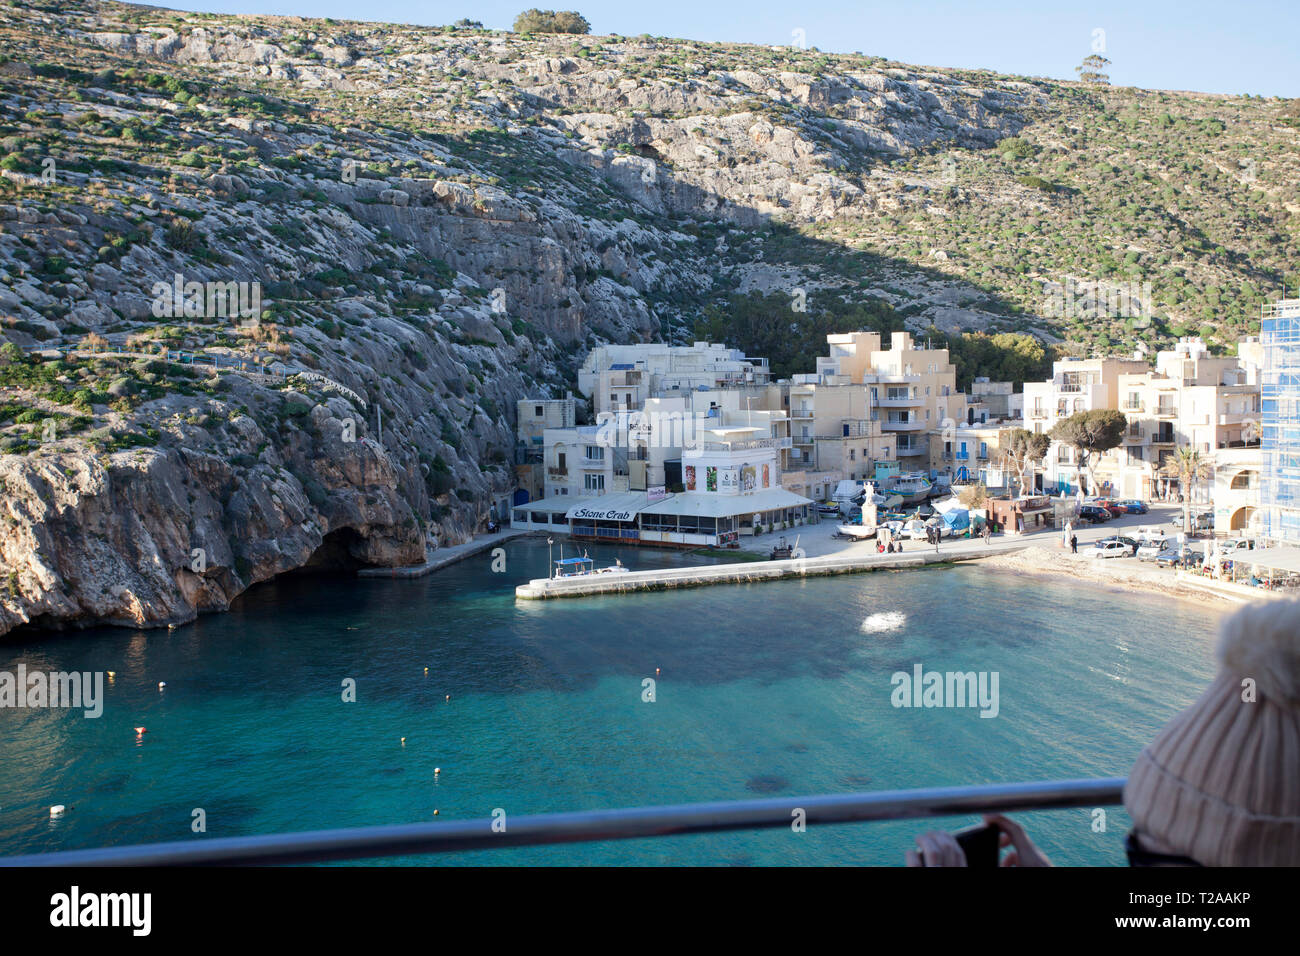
{"x":1074,"y":544}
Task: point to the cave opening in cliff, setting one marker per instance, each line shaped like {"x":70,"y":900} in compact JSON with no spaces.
{"x":337,"y":552}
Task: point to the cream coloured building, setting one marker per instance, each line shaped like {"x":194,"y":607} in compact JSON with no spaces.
{"x":625,"y":376}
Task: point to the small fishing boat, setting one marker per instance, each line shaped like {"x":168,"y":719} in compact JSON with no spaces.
{"x":583,"y":566}
{"x":913,"y":487}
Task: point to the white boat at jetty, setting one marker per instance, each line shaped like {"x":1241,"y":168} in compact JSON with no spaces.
{"x":583,"y":566}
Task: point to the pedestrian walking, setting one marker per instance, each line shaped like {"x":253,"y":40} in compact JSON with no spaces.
{"x":1074,"y":544}
{"x":987,"y":534}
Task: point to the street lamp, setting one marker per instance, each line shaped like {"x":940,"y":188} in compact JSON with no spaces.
{"x":549,"y":566}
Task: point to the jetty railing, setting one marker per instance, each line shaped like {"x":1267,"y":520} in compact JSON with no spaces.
{"x":594,"y":825}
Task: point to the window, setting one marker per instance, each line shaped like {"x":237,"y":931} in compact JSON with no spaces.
{"x":537,"y":411}
{"x":594,"y":482}
{"x":594,"y":452}
{"x":984,"y":449}
{"x":852,"y":453}
{"x":561,"y":459}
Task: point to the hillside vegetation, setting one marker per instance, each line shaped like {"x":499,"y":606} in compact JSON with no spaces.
{"x":439,"y":221}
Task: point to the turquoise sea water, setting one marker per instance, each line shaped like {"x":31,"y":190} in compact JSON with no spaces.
{"x":765,"y":689}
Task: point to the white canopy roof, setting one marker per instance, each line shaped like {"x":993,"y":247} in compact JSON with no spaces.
{"x":709,"y":505}
{"x":1278,"y":559}
{"x":623,"y":506}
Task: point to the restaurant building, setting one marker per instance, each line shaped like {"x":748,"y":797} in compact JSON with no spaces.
{"x":731,"y":484}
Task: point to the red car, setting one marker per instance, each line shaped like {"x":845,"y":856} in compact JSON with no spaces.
{"x":1110,"y":504}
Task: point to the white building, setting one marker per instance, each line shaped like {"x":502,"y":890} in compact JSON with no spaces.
{"x":731,"y":481}
{"x":624,"y":376}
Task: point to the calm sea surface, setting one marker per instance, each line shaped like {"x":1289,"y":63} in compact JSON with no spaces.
{"x":764,"y":690}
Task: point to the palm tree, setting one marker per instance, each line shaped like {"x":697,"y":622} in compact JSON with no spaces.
{"x":1188,"y":466}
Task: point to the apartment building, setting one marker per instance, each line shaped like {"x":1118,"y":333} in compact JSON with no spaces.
{"x":1191,"y":400}
{"x":912,"y":389}
{"x":1280,"y":414}
{"x":642,"y":449}
{"x":624,"y":376}
{"x":835,"y":428}
{"x":579,"y":463}
{"x":1236,"y":491}
{"x":532,"y":418}
{"x":1077,"y":385}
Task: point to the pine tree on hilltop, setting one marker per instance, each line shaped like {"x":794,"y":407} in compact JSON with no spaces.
{"x":548,"y":21}
{"x":1093,"y":70}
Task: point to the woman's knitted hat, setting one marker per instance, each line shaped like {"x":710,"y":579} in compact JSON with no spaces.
{"x":1221,"y":782}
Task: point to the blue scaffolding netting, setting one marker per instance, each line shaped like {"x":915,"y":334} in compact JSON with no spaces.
{"x":1280,"y":406}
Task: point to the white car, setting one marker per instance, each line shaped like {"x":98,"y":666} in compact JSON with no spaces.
{"x":1233,"y":545}
{"x":1151,"y":547}
{"x":1111,"y":549}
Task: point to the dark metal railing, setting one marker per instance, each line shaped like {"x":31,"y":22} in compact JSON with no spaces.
{"x":626,"y":824}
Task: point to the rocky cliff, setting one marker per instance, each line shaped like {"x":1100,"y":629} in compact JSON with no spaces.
{"x":420,"y":226}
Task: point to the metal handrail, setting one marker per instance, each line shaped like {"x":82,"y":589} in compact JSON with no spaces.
{"x":624,"y":824}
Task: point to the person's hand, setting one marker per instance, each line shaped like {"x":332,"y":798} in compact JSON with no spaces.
{"x":936,"y":848}
{"x":1012,"y":834}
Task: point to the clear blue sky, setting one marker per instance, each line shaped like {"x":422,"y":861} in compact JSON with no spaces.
{"x":1245,"y":46}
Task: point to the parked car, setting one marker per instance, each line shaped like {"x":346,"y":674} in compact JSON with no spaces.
{"x":1203,"y":521}
{"x":1111,"y":548}
{"x":1233,"y":545}
{"x":1132,"y":506}
{"x":1174,"y":557}
{"x":1094,"y":514}
{"x":1150,"y":548}
{"x":1131,"y":544}
{"x":1111,"y":505}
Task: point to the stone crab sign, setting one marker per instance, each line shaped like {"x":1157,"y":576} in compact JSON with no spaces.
{"x":602,"y":514}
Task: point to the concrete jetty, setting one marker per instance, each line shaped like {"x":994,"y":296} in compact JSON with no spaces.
{"x":445,"y":556}
{"x":660,"y":579}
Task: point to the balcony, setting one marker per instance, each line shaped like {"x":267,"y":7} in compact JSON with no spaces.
{"x":900,"y":402}
{"x":767,"y":813}
{"x":1166,"y":411}
{"x":1162,"y":438}
{"x":797,"y":413}
{"x":554,"y":472}
{"x":1036,"y":414}
{"x":910,"y":425}
{"x":1134,"y":407}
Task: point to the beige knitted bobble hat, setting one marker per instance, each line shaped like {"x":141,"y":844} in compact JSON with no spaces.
{"x":1221,"y":782}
